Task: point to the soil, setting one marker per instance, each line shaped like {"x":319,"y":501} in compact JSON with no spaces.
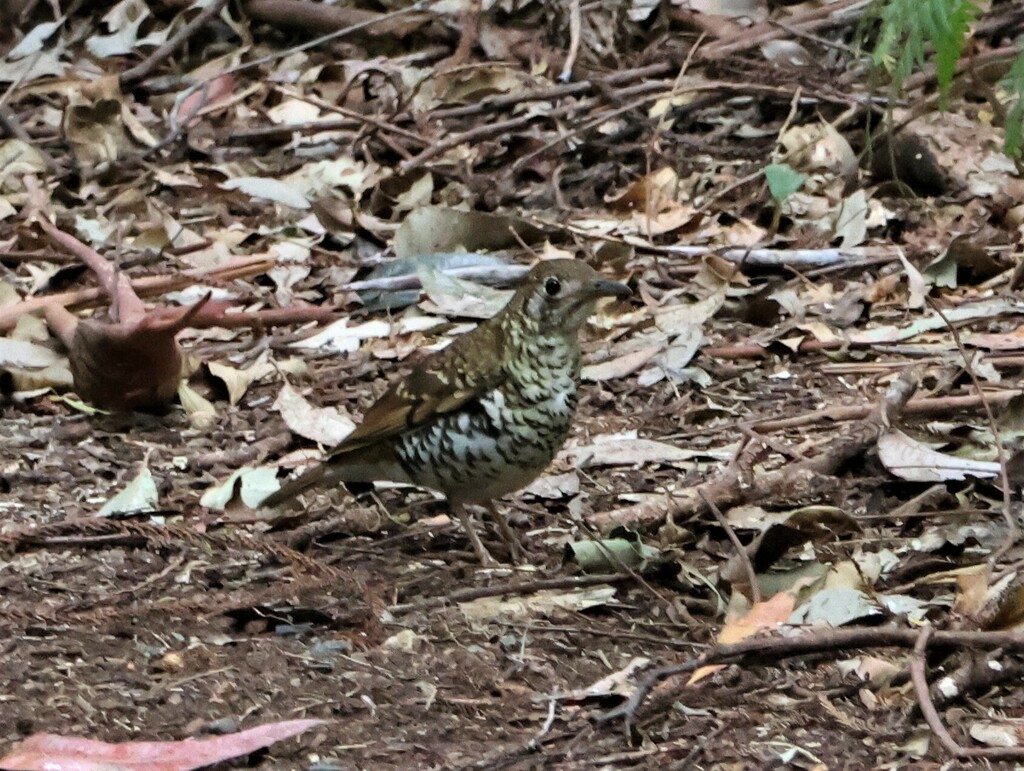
{"x":369,"y":610}
{"x":126,"y":629}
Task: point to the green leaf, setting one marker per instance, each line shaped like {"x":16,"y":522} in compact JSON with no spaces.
{"x":783,"y":181}
{"x":611,"y":553}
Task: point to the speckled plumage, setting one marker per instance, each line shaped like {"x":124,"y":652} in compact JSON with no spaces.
{"x":484,"y":416}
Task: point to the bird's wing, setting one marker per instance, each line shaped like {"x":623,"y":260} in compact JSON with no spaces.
{"x":465,"y":370}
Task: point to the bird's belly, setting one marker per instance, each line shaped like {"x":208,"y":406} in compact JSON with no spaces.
{"x":479,"y":456}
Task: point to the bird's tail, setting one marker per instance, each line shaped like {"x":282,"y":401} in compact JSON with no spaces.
{"x":300,"y":484}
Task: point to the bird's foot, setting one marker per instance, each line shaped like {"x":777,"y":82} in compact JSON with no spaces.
{"x":516,"y":550}
{"x":486,"y":560}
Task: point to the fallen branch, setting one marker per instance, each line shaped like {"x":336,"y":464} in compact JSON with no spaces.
{"x":307,"y":16}
{"x":735,"y":486}
{"x":746,"y":39}
{"x":149,"y":286}
{"x":773,"y":648}
{"x":799,"y":258}
{"x":215,"y":314}
{"x":484,"y":274}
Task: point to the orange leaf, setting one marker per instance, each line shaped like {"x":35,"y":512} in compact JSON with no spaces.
{"x":763,"y":615}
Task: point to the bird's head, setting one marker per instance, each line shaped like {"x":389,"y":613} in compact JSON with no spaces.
{"x":559,"y":295}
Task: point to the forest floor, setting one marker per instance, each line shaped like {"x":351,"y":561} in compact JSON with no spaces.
{"x":820,"y":364}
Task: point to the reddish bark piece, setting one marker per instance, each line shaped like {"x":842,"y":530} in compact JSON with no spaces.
{"x":116,"y":284}
{"x":50,"y":751}
{"x":218,"y":89}
{"x":214,"y":314}
{"x":239,"y":267}
{"x":132,"y":362}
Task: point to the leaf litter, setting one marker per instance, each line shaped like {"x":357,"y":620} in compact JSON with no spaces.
{"x":308,"y":220}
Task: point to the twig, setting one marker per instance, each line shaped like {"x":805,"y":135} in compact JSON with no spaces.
{"x":547,"y":724}
{"x":178,"y":121}
{"x":752,"y":37}
{"x":488,"y":274}
{"x":469,"y":35}
{"x":241,"y":267}
{"x":24,"y":255}
{"x":575,"y":33}
{"x":914,"y":505}
{"x":585,"y":126}
{"x":481,"y":132}
{"x":741,"y":552}
{"x":143,"y":69}
{"x":114,"y":282}
{"x":1013,"y":532}
{"x":242,"y":454}
{"x":918,"y":665}
{"x":357,"y":117}
{"x":919,"y":677}
{"x":924,"y":406}
{"x":215,"y":316}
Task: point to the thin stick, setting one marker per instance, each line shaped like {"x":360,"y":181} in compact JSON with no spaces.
{"x":114,"y":282}
{"x":575,"y":33}
{"x":1013,"y":532}
{"x":918,"y":664}
{"x":143,"y":69}
{"x":146,"y":286}
{"x":922,"y":406}
{"x":741,"y":552}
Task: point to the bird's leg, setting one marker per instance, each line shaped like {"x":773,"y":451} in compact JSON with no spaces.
{"x":474,"y":537}
{"x":508,"y":535}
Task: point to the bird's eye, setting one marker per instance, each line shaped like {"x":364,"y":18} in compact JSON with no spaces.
{"x":552,"y":286}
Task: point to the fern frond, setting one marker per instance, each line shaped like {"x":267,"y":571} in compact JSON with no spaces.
{"x":908,"y":26}
{"x":1014,"y":130}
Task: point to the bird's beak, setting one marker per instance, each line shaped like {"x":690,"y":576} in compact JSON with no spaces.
{"x":604,"y":288}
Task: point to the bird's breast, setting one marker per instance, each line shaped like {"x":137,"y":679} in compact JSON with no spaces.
{"x":503,"y":440}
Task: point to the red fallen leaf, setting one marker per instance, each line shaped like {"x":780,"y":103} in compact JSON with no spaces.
{"x":216,"y":90}
{"x":51,"y":752}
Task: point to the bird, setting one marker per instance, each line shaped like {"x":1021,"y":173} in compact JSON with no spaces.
{"x":484,"y":416}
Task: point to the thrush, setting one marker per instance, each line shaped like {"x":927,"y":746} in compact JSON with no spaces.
{"x":484,"y":416}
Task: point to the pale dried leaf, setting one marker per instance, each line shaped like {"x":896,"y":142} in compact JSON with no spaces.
{"x":251,"y":485}
{"x":268,"y":189}
{"x":326,"y":425}
{"x":544,"y":604}
{"x":139,"y":495}
{"x":909,"y":459}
